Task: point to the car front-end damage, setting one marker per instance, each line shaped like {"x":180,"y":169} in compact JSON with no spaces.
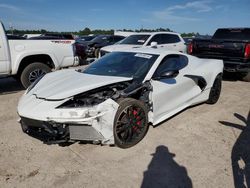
{"x":88,"y":116}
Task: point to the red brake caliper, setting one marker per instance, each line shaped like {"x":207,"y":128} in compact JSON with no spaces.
{"x":138,"y":122}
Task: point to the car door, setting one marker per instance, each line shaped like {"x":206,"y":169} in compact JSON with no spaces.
{"x":171,"y":95}
{"x":168,"y":41}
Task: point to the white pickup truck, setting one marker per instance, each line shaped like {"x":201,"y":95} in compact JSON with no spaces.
{"x":27,"y":60}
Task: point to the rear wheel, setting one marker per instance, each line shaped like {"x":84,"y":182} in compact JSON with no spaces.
{"x":131,"y":123}
{"x":32,"y":72}
{"x":215,"y":90}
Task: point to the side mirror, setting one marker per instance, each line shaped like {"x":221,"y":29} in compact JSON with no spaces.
{"x":153,"y":44}
{"x":167,"y":74}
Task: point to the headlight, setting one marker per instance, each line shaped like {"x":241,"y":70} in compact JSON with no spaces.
{"x":32,"y":85}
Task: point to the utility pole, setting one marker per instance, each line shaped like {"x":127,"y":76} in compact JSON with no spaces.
{"x":11,"y":28}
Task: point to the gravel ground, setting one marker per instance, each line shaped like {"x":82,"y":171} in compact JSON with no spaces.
{"x":195,"y":148}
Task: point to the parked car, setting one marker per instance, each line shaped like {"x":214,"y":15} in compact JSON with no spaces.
{"x":116,"y":98}
{"x":50,"y":36}
{"x":27,"y":60}
{"x":27,"y":36}
{"x":16,"y":37}
{"x":100,"y":41}
{"x":87,"y":38}
{"x":166,"y":40}
{"x":81,"y":48}
{"x":60,"y":35}
{"x":42,"y":37}
{"x":232,"y":45}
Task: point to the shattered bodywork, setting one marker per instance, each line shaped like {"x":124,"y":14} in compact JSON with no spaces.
{"x":85,"y":116}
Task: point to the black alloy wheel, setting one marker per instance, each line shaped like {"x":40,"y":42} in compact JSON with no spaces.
{"x":215,"y":91}
{"x":131,"y":123}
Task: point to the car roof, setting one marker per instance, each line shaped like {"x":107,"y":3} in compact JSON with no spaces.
{"x":153,"y":33}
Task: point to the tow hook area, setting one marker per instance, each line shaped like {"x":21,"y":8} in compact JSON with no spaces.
{"x":47,"y":132}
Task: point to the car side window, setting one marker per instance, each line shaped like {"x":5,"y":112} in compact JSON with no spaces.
{"x":157,"y":38}
{"x":165,"y":39}
{"x":110,"y":39}
{"x":118,"y":38}
{"x":170,"y":38}
{"x":171,"y":62}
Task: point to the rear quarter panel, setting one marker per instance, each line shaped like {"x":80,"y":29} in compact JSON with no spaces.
{"x":207,"y":68}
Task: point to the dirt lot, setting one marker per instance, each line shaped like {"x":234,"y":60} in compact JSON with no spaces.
{"x":193,"y":149}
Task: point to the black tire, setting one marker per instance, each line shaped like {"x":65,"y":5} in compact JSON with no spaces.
{"x":215,"y":91}
{"x":97,"y":50}
{"x":246,"y":77}
{"x":32,"y":72}
{"x":131,"y":123}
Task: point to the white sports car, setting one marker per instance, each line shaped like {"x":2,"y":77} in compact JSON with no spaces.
{"x":115,"y":99}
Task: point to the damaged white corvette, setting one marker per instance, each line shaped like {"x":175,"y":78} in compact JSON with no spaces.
{"x":115,"y":99}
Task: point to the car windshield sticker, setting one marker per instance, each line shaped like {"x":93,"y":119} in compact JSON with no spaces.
{"x":143,"y":56}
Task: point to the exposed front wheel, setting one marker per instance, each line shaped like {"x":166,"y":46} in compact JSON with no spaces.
{"x":215,"y":91}
{"x":131,"y":123}
{"x":32,"y":72}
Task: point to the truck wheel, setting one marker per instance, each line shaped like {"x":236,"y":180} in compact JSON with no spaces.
{"x":131,"y":123}
{"x":32,"y":72}
{"x":215,"y":91}
{"x":246,"y":77}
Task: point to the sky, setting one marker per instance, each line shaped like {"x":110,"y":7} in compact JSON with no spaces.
{"x":203,"y":16}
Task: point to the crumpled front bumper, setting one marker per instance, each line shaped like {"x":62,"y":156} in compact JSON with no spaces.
{"x":52,"y":132}
{"x":41,"y":119}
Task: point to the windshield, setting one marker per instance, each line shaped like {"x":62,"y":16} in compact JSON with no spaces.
{"x":135,"y":39}
{"x":123,"y":64}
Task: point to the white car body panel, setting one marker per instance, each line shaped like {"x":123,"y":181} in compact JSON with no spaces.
{"x":66,"y":83}
{"x":97,"y":116}
{"x":121,"y":47}
{"x":12,"y":52}
{"x":168,"y":96}
{"x":4,"y":52}
{"x":61,"y":53}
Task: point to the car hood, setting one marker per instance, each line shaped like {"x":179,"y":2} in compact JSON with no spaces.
{"x":67,"y":83}
{"x":118,"y":47}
